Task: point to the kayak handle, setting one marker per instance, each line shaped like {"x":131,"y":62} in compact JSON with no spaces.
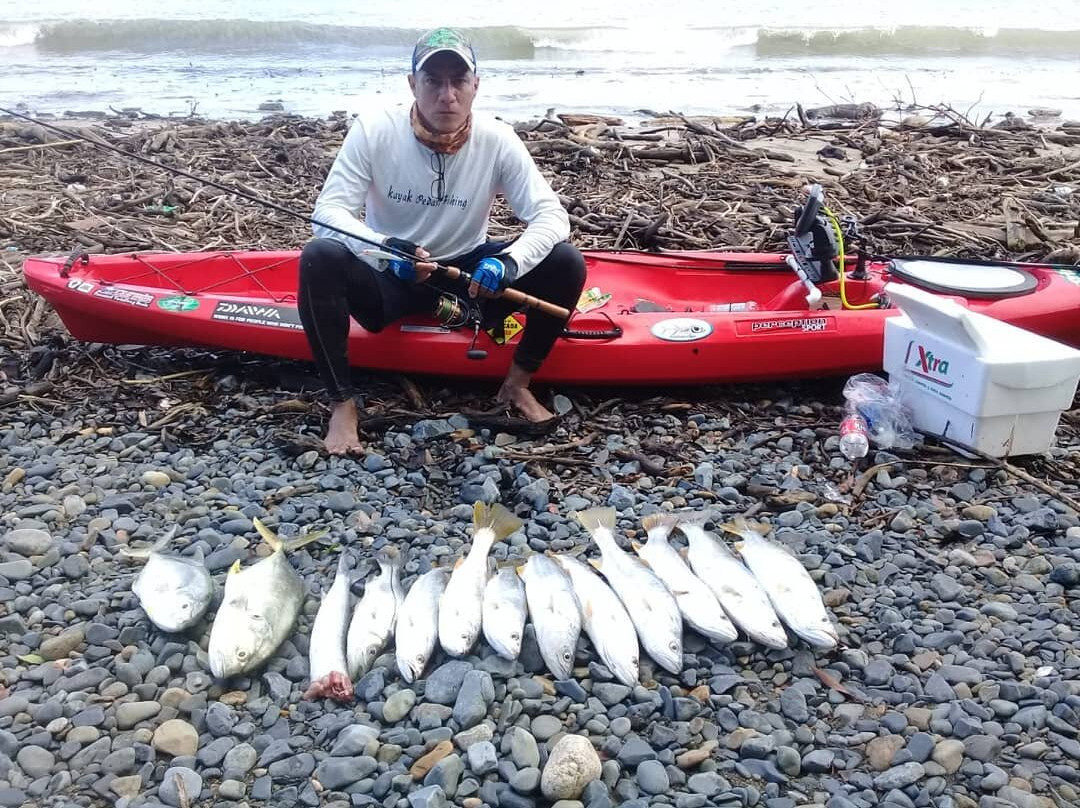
{"x":574,"y":333}
{"x":594,"y":333}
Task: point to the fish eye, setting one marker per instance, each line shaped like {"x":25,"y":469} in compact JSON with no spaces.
{"x":241,"y":654}
{"x":515,"y":636}
{"x":566,"y":656}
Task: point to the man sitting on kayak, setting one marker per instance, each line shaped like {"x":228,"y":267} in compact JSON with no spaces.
{"x":425,"y":180}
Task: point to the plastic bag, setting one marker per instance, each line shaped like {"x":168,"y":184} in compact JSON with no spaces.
{"x":881,"y":404}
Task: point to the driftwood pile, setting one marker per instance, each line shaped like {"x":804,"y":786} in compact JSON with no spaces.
{"x":934,"y":183}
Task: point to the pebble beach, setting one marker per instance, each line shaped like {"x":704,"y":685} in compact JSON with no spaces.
{"x":954,"y":581}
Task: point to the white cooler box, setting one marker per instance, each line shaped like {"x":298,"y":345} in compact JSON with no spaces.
{"x":978,"y":381}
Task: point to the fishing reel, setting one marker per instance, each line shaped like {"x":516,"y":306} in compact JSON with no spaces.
{"x":454,"y":312}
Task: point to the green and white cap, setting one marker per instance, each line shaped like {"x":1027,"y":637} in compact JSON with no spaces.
{"x":443,"y":40}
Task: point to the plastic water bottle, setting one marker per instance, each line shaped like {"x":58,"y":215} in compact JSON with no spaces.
{"x":748,"y":305}
{"x":854,"y":436}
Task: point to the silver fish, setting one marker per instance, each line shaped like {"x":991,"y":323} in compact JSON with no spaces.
{"x":461,"y":608}
{"x":418,"y":624}
{"x":734,"y":585}
{"x":376,"y":614}
{"x":555,"y":612}
{"x":259,"y":608}
{"x":651,"y":606}
{"x":173,"y":591}
{"x":699,"y":606}
{"x":789,"y":586}
{"x":505,"y":611}
{"x":326,"y":646}
{"x":605,"y":620}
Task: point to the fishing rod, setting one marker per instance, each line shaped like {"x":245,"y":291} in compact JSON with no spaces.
{"x":381,"y":250}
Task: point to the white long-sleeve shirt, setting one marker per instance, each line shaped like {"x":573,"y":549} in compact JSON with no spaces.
{"x":386,"y":176}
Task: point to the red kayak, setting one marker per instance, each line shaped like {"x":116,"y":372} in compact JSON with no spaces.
{"x":659,"y":325}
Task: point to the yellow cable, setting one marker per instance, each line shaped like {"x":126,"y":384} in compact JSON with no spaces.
{"x":840,"y":244}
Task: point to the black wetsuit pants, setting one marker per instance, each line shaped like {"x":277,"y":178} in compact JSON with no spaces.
{"x":336,"y":285}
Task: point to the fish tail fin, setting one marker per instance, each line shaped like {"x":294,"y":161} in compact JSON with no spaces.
{"x":596,"y":518}
{"x":303,"y":540}
{"x":144,"y":553}
{"x":496,"y":518}
{"x":390,"y":558}
{"x":659,"y":525}
{"x":269,"y":536}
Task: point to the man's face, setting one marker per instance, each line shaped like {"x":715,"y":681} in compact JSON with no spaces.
{"x":444,"y":90}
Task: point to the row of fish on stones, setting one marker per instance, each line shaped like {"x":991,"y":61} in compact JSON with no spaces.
{"x":645,"y":598}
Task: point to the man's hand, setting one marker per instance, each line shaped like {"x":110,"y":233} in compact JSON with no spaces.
{"x":411,"y":271}
{"x":492,"y":275}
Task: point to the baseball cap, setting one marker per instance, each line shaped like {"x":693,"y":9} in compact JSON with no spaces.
{"x":442,"y":40}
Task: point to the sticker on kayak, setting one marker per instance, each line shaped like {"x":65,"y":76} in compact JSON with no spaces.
{"x":127,"y":296}
{"x":178,"y":303}
{"x":681,"y":329}
{"x":86,"y":287}
{"x":511,"y":327}
{"x":258,"y":314}
{"x":1071,"y":275}
{"x":805,"y":325}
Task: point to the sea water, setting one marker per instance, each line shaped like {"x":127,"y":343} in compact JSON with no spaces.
{"x":626,"y":57}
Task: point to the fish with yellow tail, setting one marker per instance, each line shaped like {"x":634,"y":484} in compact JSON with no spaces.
{"x":605,"y":620}
{"x":650,"y":604}
{"x":259,"y":607}
{"x":461,"y":608}
{"x":791,"y":590}
{"x":699,"y":606}
{"x":738,"y":591}
{"x":555,"y":612}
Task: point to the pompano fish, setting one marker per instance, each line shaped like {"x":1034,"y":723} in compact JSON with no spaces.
{"x":555,"y":613}
{"x":326,"y":649}
{"x":699,"y":606}
{"x":734,"y":585}
{"x":259,"y":607}
{"x":173,"y":591}
{"x":504,"y":613}
{"x":605,"y":620}
{"x":650,"y":605}
{"x":461,"y":608}
{"x":789,"y":586}
{"x":376,"y":614}
{"x":418,"y":624}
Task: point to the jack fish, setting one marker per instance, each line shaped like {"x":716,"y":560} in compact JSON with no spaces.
{"x":259,"y":608}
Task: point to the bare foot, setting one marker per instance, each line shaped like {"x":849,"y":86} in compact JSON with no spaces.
{"x":515,"y":391}
{"x":341,"y":436}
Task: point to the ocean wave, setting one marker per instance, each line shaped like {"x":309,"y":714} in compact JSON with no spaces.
{"x":228,"y":36}
{"x":917,"y":40}
{"x":225,"y":36}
